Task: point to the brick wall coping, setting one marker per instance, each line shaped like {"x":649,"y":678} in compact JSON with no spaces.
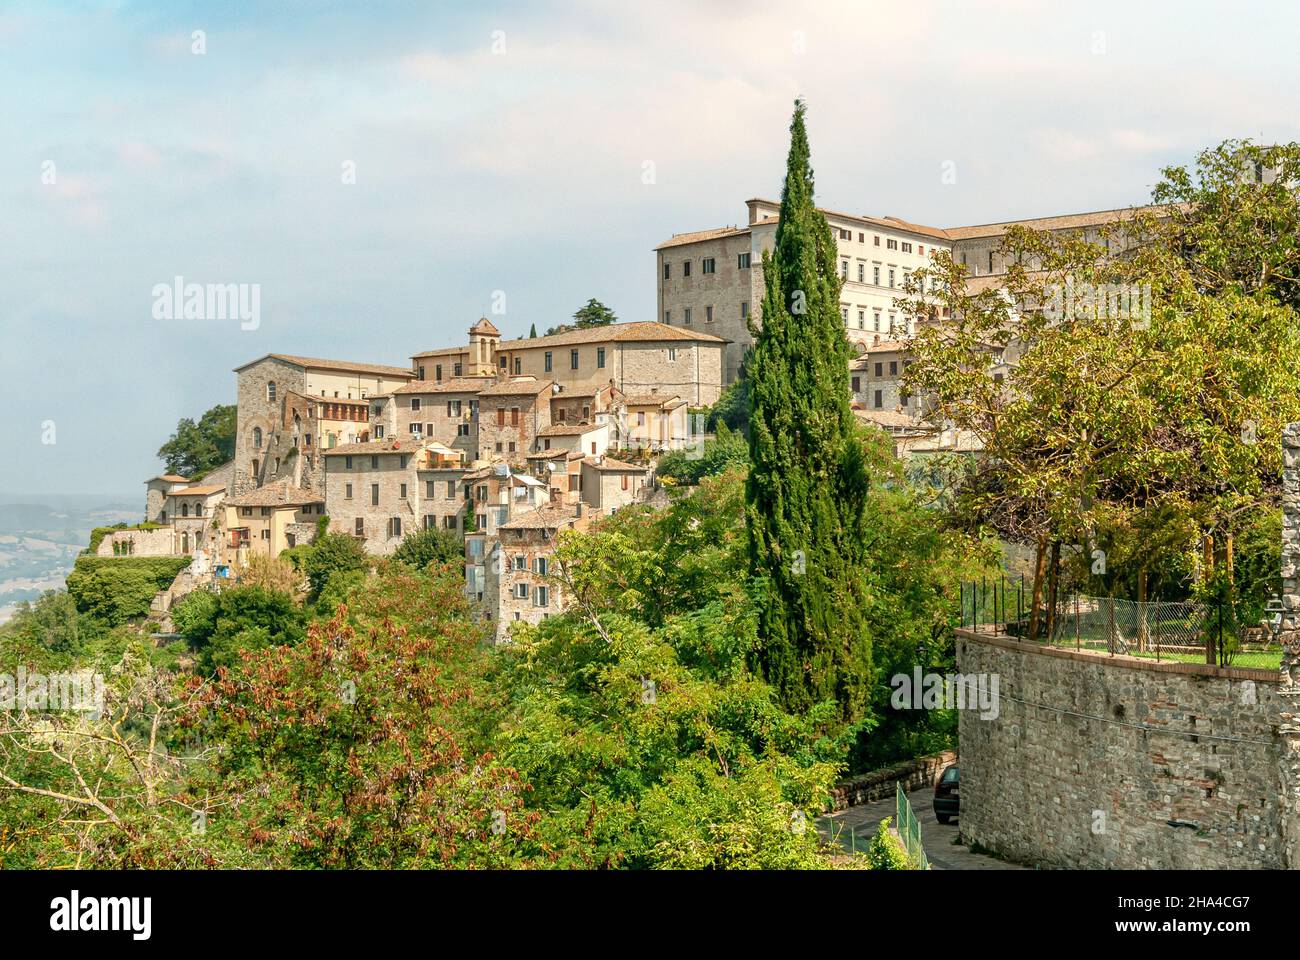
{"x":1121,"y":660}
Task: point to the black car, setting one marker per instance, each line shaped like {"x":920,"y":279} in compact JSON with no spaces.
{"x":947,"y":802}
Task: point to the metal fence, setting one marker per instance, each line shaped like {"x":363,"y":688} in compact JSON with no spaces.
{"x":909,"y":831}
{"x":1216,"y":632}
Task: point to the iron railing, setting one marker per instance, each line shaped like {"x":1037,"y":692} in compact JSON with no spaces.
{"x":909,"y":830}
{"x":1218,"y":631}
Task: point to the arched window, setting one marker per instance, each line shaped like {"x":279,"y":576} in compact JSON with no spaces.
{"x":185,"y":543}
{"x":257,"y":438}
{"x":270,"y":391}
{"x":185,"y":509}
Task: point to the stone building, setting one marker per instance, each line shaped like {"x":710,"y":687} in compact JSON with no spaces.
{"x":269,"y":519}
{"x":633,"y":357}
{"x":656,"y":422}
{"x":374,"y":491}
{"x":286,"y":403}
{"x":155,"y":498}
{"x":589,"y":439}
{"x":445,"y":411}
{"x":512,"y":414}
{"x":519,"y":583}
{"x":196,"y":518}
{"x":606,"y":484}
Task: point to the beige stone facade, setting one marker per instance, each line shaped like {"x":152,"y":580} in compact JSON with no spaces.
{"x":268,"y":520}
{"x":374,"y":491}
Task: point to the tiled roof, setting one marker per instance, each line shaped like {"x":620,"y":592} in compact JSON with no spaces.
{"x":200,"y":491}
{"x":549,"y":517}
{"x":569,"y":429}
{"x":613,"y":466}
{"x":650,"y":399}
{"x":169,"y":478}
{"x":632,"y":332}
{"x":441,"y":352}
{"x":454,"y":385}
{"x":343,"y":366}
{"x":376,"y":446}
{"x":887,"y":346}
{"x":1065,"y":222}
{"x":680,"y":238}
{"x":514,"y":388}
{"x":281,"y":493}
{"x":890,"y":418}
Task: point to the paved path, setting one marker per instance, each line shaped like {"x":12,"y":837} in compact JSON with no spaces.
{"x":939,"y":839}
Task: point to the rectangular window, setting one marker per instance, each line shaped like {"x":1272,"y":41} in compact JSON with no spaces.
{"x":891,"y":276}
{"x":450,"y":521}
{"x":907,"y":248}
{"x":521,"y":563}
{"x":707,"y":265}
{"x":844,"y":269}
{"x":501,"y":416}
{"x":347,"y":462}
{"x":672,"y":353}
{"x":347,"y":491}
{"x":686,"y":268}
{"x":547,"y":361}
{"x":877,"y":241}
{"x":360,"y":527}
{"x":862,"y":273}
{"x":514,"y":416}
{"x":451,"y":490}
{"x":374,"y":494}
{"x":415,"y":403}
{"x":668,"y":318}
{"x":742,"y":261}
{"x":857,"y":385}
{"x":875,"y":275}
{"x":521,"y":591}
{"x":708,"y":314}
{"x":686,"y":316}
{"x":744,"y":309}
{"x":600,"y":357}
{"x":891,"y":244}
{"x":625,"y":481}
{"x":640,"y":418}
{"x":542,"y":597}
{"x":402,"y":495}
{"x":880,"y":370}
{"x":455,"y":370}
{"x":428,"y":490}
{"x":374,"y":463}
{"x":668,"y":270}
{"x":437,"y":371}
{"x":542,"y":566}
{"x":573,"y":359}
{"x":395,"y":527}
{"x":893,"y":368}
{"x":879,"y":399}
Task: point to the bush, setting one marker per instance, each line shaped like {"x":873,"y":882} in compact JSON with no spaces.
{"x":886,"y":851}
{"x":728,"y":449}
{"x":117,"y":589}
{"x":220,"y":626}
{"x":421,"y":548}
{"x":330,"y":554}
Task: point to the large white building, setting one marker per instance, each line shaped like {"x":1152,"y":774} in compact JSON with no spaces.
{"x":712,"y":280}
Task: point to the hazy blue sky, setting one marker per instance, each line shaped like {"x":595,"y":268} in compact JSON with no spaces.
{"x":520,"y":169}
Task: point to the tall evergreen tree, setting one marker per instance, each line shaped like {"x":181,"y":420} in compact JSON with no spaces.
{"x":807,"y":486}
{"x":532,"y":332}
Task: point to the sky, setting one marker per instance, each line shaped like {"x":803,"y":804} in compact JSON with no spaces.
{"x":387,"y":172}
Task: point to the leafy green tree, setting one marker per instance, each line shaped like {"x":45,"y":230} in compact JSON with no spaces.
{"x":221,"y":626}
{"x":726,"y":450}
{"x":807,"y":483}
{"x":591,"y":314}
{"x":1140,"y":430}
{"x":117,"y":589}
{"x":330,"y":554}
{"x":420,"y":548}
{"x":52,"y":623}
{"x":196,"y":449}
{"x":732,"y":408}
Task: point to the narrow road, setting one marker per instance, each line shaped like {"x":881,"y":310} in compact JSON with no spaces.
{"x":939,"y":839}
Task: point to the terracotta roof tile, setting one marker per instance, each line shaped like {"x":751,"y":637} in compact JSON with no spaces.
{"x":280,"y":493}
{"x":344,"y":366}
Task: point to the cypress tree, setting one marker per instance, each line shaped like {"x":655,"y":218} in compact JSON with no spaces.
{"x":807,"y":486}
{"x":532,"y":332}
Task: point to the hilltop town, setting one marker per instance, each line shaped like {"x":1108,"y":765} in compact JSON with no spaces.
{"x":507,"y":442}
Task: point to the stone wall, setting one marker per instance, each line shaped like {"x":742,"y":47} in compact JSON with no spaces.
{"x":1114,"y":762}
{"x":158,"y":542}
{"x":918,"y":774}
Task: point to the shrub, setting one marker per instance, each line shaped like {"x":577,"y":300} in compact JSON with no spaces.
{"x":421,"y":548}
{"x":886,"y":851}
{"x":117,"y":589}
